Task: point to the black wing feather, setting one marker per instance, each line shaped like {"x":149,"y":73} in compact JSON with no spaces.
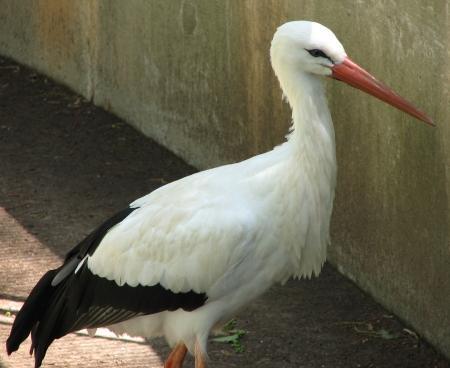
{"x":64,"y":301}
{"x":89,"y":244}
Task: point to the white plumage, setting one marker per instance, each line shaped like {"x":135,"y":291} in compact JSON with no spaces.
{"x":230,"y":235}
{"x":233,"y":231}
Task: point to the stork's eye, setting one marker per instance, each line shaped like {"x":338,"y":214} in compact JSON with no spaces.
{"x":319,"y":53}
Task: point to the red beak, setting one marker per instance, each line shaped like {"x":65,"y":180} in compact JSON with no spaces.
{"x":352,"y":74}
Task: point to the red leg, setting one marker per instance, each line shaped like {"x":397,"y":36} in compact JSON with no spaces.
{"x":176,"y":357}
{"x":200,"y":360}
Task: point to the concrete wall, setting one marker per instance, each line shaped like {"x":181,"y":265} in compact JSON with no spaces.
{"x":195,"y":76}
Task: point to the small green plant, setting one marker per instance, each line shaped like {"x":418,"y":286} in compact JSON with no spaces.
{"x":232,"y":336}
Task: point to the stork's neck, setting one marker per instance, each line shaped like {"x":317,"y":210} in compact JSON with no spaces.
{"x":310,"y":176}
{"x":312,"y":137}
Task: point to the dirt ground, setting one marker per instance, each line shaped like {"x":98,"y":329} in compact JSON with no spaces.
{"x":65,"y":165}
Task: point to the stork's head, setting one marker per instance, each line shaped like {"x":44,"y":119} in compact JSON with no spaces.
{"x":309,"y":47}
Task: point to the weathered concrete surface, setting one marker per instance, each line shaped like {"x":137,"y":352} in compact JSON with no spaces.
{"x":51,"y":36}
{"x":391,"y":225}
{"x":195,"y":75}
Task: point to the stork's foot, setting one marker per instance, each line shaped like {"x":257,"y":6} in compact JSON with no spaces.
{"x":176,"y":357}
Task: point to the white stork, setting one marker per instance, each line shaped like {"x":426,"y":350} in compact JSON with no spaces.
{"x":182,"y":260}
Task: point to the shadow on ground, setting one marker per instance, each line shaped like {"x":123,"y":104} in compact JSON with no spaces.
{"x":66,"y":165}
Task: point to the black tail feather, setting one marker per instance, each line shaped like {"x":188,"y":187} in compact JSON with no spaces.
{"x":85,"y":300}
{"x":45,"y":304}
{"x":31,"y":312}
{"x":50,"y":328}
